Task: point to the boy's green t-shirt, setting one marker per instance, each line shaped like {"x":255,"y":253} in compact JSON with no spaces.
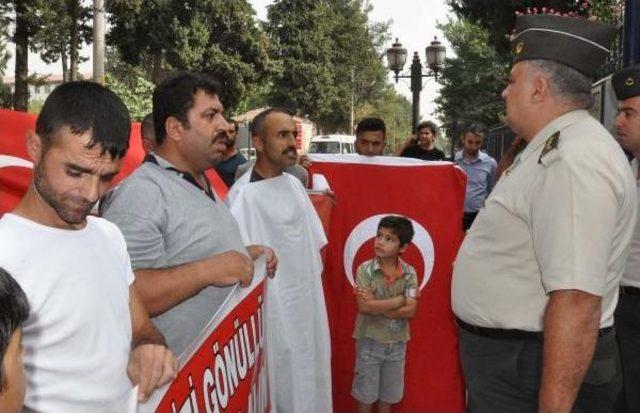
{"x":379,"y":327}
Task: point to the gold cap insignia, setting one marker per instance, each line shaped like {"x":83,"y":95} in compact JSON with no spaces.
{"x":630,"y":81}
{"x":519,"y":48}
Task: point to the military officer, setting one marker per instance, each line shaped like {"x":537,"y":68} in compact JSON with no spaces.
{"x":626,"y":84}
{"x":535,"y":282}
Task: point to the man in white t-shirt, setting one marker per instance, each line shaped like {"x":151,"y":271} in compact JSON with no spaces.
{"x":88,"y":329}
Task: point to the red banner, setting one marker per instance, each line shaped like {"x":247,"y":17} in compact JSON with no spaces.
{"x":432,"y":196}
{"x":225,"y":368}
{"x":15,"y":164}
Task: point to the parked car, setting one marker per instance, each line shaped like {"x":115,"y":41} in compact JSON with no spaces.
{"x":338,"y":144}
{"x":249,"y":153}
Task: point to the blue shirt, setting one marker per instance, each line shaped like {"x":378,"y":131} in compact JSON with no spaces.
{"x":481,"y":176}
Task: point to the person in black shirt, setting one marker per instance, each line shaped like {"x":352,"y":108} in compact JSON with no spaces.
{"x":422,"y":146}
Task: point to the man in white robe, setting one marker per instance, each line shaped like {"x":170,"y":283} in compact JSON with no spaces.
{"x":273,"y":208}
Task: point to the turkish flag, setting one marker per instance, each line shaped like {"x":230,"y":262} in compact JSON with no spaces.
{"x":15,"y":164}
{"x":431,"y":194}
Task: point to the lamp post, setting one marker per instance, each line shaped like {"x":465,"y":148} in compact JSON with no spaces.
{"x":397,"y":57}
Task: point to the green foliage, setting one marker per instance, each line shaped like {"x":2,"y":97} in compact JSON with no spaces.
{"x":35,"y":106}
{"x":213,"y":36}
{"x":304,"y":79}
{"x":610,"y":11}
{"x":136,"y":93}
{"x":498,"y":17}
{"x":4,"y":52}
{"x":63,"y":25}
{"x":471,"y":82}
{"x":131,"y":84}
{"x":395,"y":109}
{"x":5,"y":96}
{"x":329,"y":58}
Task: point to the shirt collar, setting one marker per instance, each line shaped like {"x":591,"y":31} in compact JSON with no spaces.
{"x":559,"y":123}
{"x":480,"y":157}
{"x":401,"y":268}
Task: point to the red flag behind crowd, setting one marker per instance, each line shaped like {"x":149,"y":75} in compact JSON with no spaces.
{"x":15,"y":164}
{"x":432,"y":196}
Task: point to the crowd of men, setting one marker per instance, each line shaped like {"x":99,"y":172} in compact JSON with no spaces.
{"x":545,"y":285}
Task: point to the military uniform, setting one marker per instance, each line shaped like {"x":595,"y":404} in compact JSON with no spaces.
{"x":560,"y":218}
{"x":626,"y":84}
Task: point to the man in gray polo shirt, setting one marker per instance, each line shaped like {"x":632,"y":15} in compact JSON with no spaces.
{"x":185,"y":247}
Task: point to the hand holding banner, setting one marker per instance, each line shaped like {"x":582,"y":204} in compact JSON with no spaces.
{"x":224,"y":370}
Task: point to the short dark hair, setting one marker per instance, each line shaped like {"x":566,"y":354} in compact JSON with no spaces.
{"x":371,"y":125}
{"x":174,"y":97}
{"x":400,"y":226}
{"x":146,"y":128}
{"x":472,"y":127}
{"x":428,"y":124}
{"x":255,"y":128}
{"x":14,"y":310}
{"x":84,"y":106}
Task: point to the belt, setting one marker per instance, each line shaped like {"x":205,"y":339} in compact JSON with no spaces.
{"x":629,"y":290}
{"x":512,"y":334}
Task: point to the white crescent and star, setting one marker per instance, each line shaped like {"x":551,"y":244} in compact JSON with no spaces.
{"x":363,"y":233}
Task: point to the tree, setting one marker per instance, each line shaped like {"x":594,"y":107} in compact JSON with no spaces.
{"x":64,"y":27}
{"x":130,"y":83}
{"x":329,"y":57}
{"x":305,"y":77}
{"x":473,"y":80}
{"x":395,"y":109}
{"x":212,"y":36}
{"x":499,"y":17}
{"x":26,"y":23}
{"x":5,"y":93}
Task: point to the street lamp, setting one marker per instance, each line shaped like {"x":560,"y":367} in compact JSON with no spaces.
{"x":397,"y":57}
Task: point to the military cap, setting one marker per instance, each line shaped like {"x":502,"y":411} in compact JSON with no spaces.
{"x":578,"y":43}
{"x":626,"y":82}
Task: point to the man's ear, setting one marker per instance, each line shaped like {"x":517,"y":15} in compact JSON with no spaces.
{"x":257,"y":143}
{"x":34,"y":146}
{"x":174,"y":129}
{"x":541,"y":88}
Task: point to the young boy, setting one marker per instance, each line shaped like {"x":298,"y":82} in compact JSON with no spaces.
{"x":387,"y":298}
{"x":14,"y":310}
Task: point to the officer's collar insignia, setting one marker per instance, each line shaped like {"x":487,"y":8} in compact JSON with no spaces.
{"x":549,"y":145}
{"x":629,"y":81}
{"x":519,"y":48}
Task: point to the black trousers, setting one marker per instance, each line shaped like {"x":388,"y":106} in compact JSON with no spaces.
{"x":503,"y":375}
{"x":627,"y":323}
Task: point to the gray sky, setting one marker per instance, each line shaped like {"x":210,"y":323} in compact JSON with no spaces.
{"x":413,"y":23}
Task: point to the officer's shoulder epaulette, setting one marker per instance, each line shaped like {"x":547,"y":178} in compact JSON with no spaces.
{"x":550,"y":146}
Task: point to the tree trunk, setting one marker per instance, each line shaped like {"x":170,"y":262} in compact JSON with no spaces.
{"x":21,"y":39}
{"x":157,"y":74}
{"x":98,"y":41}
{"x":65,"y":66}
{"x":73,"y":7}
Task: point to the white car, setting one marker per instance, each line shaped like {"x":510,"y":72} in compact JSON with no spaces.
{"x":248,"y":153}
{"x":337,"y":144}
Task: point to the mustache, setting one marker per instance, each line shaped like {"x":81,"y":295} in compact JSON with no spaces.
{"x":221,"y":136}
